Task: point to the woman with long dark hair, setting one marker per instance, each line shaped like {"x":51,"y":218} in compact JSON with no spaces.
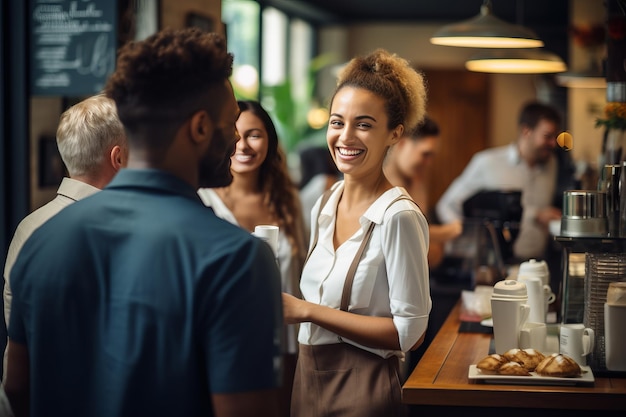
{"x":262,"y":193}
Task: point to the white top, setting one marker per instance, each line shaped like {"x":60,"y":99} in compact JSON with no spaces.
{"x":502,"y":168}
{"x":211,"y":199}
{"x":391,"y":279}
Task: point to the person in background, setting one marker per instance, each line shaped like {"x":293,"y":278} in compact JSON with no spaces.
{"x":318,"y":174}
{"x":138,"y":300}
{"x":92,"y":144}
{"x":262,"y":193}
{"x":385,"y":313}
{"x":407,"y":165}
{"x":527,"y":164}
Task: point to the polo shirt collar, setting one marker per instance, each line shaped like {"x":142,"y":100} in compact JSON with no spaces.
{"x":154,"y":179}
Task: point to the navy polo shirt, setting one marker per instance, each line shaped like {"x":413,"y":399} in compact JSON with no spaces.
{"x":138,"y":300}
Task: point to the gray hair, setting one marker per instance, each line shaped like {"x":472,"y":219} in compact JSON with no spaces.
{"x":87,"y":132}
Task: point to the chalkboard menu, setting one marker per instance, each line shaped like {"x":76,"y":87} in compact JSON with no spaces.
{"x":73,"y":46}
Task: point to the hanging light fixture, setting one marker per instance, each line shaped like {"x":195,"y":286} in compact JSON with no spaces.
{"x":486,"y":31}
{"x":516,"y":61}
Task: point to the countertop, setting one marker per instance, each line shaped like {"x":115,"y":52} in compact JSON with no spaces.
{"x":441,"y":379}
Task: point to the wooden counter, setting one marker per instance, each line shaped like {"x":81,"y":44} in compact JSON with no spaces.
{"x":441,"y":379}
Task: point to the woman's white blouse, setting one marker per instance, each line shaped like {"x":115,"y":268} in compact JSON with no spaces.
{"x":392,"y":277}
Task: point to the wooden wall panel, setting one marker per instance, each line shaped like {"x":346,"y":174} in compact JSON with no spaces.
{"x":458,"y":101}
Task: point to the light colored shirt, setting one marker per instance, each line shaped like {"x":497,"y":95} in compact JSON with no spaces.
{"x":502,"y":168}
{"x":69,"y":191}
{"x":391,"y":279}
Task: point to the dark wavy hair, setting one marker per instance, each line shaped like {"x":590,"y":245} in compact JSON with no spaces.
{"x":281,"y":194}
{"x":534,"y":111}
{"x":161,"y":81}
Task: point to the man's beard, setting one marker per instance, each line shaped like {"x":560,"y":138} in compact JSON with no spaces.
{"x":214,"y":169}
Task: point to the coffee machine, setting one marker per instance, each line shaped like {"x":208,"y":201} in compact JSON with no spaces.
{"x":585,"y":234}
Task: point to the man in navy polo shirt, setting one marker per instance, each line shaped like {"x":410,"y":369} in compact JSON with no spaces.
{"x":138,"y":300}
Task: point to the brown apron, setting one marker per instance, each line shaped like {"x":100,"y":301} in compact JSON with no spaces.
{"x":342,"y":380}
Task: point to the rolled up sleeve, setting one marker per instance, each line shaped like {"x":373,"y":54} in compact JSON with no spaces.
{"x":405,"y":245}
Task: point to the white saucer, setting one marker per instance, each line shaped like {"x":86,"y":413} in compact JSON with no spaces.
{"x":487,"y":322}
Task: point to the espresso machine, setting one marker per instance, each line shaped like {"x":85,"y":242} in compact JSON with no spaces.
{"x":589,"y":234}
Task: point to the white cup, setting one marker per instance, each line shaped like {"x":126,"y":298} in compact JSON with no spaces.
{"x":269,"y":234}
{"x":533,"y":336}
{"x":615,"y":337}
{"x":548,"y":297}
{"x":576,"y":341}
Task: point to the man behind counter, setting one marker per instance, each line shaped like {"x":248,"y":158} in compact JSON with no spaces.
{"x":530,"y":164}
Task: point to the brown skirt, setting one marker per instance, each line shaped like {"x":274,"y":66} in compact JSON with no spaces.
{"x":341,"y":380}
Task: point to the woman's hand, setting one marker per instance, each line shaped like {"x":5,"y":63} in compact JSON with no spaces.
{"x":376,"y":332}
{"x":293,"y":309}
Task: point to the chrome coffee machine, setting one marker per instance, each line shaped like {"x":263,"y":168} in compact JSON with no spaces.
{"x":585,"y":232}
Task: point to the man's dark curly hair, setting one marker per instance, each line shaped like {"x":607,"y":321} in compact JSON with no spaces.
{"x":161,"y":81}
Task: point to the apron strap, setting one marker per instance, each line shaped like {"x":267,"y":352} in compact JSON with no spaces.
{"x":347,"y":285}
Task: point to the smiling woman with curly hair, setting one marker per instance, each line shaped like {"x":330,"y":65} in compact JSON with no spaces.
{"x":365,"y":289}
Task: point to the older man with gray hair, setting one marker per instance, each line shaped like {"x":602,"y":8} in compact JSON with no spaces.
{"x":92,"y":144}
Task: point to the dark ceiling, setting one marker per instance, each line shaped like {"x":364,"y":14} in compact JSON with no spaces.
{"x":528,"y":12}
{"x":548,"y":18}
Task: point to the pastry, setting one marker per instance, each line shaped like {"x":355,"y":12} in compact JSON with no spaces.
{"x":513,"y":368}
{"x":491,"y":364}
{"x":529,"y":358}
{"x":558,"y":365}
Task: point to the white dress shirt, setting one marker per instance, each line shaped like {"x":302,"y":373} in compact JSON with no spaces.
{"x":502,"y":168}
{"x":391,"y":279}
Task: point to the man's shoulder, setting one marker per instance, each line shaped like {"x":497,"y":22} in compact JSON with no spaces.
{"x":38,"y":217}
{"x":494,"y":152}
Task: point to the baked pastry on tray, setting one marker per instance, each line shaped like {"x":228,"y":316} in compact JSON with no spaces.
{"x":558,"y":365}
{"x":491,"y":364}
{"x":529,"y":358}
{"x":513,"y":369}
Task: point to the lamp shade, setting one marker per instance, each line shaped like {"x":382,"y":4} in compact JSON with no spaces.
{"x":516,"y":61}
{"x":486,"y":31}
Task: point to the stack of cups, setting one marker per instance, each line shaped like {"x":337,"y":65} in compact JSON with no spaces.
{"x":614,"y":325}
{"x":509,"y":312}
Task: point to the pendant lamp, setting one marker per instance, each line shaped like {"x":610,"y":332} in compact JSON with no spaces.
{"x":516,"y":61}
{"x":486,"y":31}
